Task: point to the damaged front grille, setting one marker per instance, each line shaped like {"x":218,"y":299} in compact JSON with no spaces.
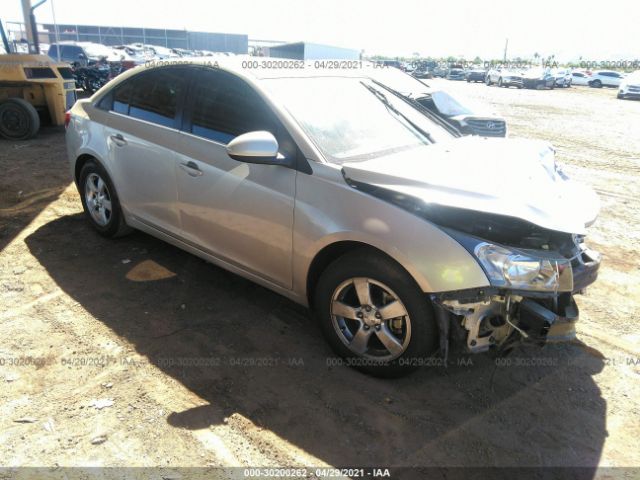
{"x":487,"y":128}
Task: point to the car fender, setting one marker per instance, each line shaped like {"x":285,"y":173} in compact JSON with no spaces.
{"x":436,"y":261}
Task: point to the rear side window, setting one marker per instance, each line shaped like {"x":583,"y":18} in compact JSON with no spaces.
{"x":154,"y":96}
{"x":224,"y":107}
{"x":121,"y":98}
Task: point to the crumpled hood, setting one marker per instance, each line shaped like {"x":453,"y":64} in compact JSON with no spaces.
{"x":512,"y":177}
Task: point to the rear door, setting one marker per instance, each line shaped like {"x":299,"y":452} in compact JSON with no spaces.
{"x":240,"y":212}
{"x":142,"y":132}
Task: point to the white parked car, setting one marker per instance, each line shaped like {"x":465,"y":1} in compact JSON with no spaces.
{"x":630,"y":86}
{"x":605,"y":78}
{"x":563,"y":78}
{"x":580,"y":78}
{"x":503,"y":78}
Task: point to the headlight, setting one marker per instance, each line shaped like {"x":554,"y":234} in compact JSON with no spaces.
{"x":523,"y":270}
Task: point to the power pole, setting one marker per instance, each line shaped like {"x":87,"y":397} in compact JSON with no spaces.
{"x":506,"y":44}
{"x":28,"y":25}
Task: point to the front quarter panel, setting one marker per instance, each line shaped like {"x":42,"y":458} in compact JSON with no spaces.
{"x":328,"y":210}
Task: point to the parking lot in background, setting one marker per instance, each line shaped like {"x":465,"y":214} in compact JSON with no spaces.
{"x":136,"y":353}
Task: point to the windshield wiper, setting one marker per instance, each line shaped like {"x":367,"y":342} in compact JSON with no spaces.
{"x":383,"y":98}
{"x":408,"y":98}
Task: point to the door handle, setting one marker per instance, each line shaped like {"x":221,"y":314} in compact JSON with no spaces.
{"x":118,"y":139}
{"x":191,"y":168}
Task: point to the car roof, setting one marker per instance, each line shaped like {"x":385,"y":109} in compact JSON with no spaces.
{"x":267,"y":67}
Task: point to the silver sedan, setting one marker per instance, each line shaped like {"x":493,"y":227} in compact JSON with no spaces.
{"x":334,"y":190}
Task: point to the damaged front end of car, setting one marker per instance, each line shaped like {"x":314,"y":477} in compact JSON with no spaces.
{"x":534,"y":273}
{"x":532,"y":303}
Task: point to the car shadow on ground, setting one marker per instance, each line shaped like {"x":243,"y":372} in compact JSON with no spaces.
{"x":32,"y":178}
{"x":269,"y":364}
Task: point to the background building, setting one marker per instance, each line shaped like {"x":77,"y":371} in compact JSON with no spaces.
{"x":215,"y":42}
{"x":312,"y":51}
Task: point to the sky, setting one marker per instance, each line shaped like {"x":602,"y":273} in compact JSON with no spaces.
{"x":569,"y":29}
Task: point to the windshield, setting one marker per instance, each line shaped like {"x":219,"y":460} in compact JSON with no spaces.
{"x":535,"y":72}
{"x":635,"y":76}
{"x":352,"y":119}
{"x":400,"y":81}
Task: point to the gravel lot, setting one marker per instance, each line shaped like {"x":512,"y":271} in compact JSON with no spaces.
{"x":100,"y":338}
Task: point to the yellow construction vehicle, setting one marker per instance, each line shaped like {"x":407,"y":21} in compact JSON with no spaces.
{"x":33,"y":88}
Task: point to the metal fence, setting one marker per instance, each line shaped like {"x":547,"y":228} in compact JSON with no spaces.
{"x":111,"y":35}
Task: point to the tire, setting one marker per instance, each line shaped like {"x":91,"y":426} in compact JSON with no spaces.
{"x":19,"y":120}
{"x":595,"y":84}
{"x":94,"y":201}
{"x":488,"y":81}
{"x":619,"y":96}
{"x":415,"y":333}
{"x":500,"y":82}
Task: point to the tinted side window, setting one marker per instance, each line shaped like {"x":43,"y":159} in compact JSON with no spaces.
{"x":53,"y":51}
{"x":71,"y":52}
{"x":154,"y":96}
{"x":121,"y":98}
{"x":225,"y":107}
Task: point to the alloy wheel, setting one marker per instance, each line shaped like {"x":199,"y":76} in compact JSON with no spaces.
{"x":98,"y":199}
{"x":370,"y":319}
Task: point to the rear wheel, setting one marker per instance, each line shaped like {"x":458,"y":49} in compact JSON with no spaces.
{"x":100,"y":201}
{"x":596,"y":84}
{"x":19,"y":120}
{"x":374,"y":315}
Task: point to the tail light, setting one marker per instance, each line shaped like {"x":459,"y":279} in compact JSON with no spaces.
{"x":67,"y":119}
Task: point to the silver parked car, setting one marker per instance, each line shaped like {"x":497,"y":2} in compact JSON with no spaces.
{"x":329,"y":188}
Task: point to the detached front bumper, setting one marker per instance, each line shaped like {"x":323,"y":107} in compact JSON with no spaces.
{"x":496,"y":319}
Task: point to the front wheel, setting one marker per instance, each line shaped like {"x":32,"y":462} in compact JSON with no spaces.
{"x":374,"y":315}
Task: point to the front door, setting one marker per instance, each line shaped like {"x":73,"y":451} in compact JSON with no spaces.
{"x":239,"y":212}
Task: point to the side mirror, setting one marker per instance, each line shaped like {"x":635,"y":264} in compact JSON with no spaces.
{"x":255,"y":147}
{"x":82,"y":56}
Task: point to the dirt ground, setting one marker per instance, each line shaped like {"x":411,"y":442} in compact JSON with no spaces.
{"x":134,"y":353}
